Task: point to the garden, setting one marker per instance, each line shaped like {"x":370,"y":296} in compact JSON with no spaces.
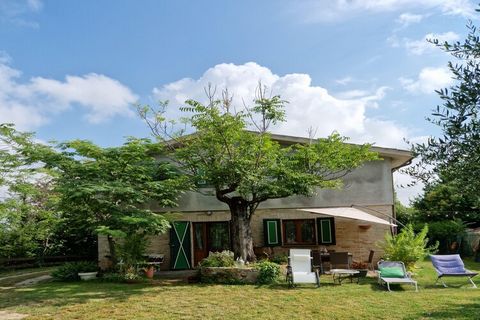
{"x":163,"y":299}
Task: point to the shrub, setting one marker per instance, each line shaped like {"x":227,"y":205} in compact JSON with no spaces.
{"x":132,"y":250}
{"x":112,"y":277}
{"x":218,"y":259}
{"x":268,"y":272}
{"x":69,"y":271}
{"x":407,"y":246}
{"x":131,"y":274}
{"x":281,"y":258}
{"x":445,"y":233}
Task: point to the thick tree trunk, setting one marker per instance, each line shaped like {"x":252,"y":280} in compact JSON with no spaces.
{"x":241,"y":231}
{"x":111,"y":247}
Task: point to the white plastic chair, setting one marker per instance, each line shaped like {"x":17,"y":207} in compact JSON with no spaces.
{"x":300,"y":268}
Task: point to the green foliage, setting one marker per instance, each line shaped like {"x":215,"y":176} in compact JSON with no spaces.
{"x":445,"y":233}
{"x":281,"y":258}
{"x":246,"y":168}
{"x":268,"y":272}
{"x":218,"y":259}
{"x":131,"y":274}
{"x":27,"y":210}
{"x":453,"y":156}
{"x":407,"y":246}
{"x":112,"y":277}
{"x":404,"y":214}
{"x":69,"y":271}
{"x":446,"y":201}
{"x":132,"y":250}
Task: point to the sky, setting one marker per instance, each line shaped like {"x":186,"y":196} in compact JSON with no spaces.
{"x":363,"y":68}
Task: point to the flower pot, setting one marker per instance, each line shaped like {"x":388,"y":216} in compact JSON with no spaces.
{"x":149,"y":271}
{"x":87,"y":275}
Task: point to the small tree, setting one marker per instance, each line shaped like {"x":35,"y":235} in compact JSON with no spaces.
{"x":107,"y":190}
{"x":407,"y":246}
{"x":247,"y":168}
{"x":27,"y":201}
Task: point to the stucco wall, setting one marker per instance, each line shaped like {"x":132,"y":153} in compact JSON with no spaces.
{"x":350,"y":237}
{"x":370,"y":184}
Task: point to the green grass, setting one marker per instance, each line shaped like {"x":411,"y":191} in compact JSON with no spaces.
{"x":95,"y":300}
{"x":9,"y":278}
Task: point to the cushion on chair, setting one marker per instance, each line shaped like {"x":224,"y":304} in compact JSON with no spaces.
{"x":391,"y":272}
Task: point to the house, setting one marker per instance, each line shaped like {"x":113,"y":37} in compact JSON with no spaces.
{"x":351,"y":219}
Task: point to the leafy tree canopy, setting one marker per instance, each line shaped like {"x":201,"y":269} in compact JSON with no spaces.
{"x":454,"y":157}
{"x":246,"y":168}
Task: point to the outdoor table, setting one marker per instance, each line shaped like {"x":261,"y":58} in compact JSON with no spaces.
{"x":342,"y":274}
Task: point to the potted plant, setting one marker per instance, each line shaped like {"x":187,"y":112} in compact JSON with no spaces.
{"x":87,"y":270}
{"x":149,"y":271}
{"x":361,"y":267}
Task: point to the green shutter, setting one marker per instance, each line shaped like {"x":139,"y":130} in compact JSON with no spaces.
{"x":271,"y":232}
{"x":326,"y":231}
{"x":180,"y":245}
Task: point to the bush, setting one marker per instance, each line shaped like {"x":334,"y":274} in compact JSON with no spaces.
{"x":446,"y":233}
{"x":132,"y":250}
{"x":112,"y":277}
{"x":281,"y":258}
{"x":407,"y":246}
{"x":69,"y":271}
{"x":268,"y":272}
{"x":218,"y":259}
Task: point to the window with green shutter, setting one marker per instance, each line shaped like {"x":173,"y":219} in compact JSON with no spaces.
{"x":326,"y":231}
{"x":271,"y":232}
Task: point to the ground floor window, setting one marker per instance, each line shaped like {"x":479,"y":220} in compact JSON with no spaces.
{"x":299,"y":231}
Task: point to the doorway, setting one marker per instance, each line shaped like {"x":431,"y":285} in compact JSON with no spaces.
{"x":210,"y":237}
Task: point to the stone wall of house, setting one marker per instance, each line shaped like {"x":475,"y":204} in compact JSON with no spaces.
{"x":354,"y":236}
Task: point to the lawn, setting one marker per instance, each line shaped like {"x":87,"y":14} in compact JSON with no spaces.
{"x":95,"y":300}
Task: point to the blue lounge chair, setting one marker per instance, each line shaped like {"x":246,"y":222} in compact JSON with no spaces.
{"x":451,"y":265}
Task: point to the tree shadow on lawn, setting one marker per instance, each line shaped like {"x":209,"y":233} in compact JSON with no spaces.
{"x":458,"y":311}
{"x":66,"y":293}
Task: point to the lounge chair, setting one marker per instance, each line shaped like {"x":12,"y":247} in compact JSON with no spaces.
{"x":451,"y":265}
{"x":394,"y":272}
{"x":300,"y":268}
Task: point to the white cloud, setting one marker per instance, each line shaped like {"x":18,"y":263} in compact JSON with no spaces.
{"x":419,"y":47}
{"x":335,"y":10}
{"x":406,"y":19}
{"x":30,"y":104}
{"x":309,"y":106}
{"x":14,"y":12}
{"x":429,"y":80}
{"x":344,"y":81}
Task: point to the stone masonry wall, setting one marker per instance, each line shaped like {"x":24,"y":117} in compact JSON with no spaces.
{"x":353,"y":236}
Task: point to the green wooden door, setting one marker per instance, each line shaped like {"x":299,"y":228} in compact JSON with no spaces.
{"x":180,"y":250}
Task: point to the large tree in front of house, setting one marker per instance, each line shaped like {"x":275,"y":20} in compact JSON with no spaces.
{"x":246,"y":168}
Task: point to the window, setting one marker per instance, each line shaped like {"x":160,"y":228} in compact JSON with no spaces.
{"x":301,"y":231}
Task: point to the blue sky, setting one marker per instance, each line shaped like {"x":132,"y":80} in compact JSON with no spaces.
{"x":361,"y":67}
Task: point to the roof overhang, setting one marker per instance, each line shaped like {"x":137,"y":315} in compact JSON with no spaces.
{"x":348,"y":213}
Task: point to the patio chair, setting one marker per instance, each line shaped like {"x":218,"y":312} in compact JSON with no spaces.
{"x":339,"y":260}
{"x":317,"y":262}
{"x":300,"y":268}
{"x":394,"y":272}
{"x":451,"y":265}
{"x":370,"y":260}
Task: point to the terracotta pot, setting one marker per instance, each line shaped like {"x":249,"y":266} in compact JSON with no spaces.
{"x":149,"y":271}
